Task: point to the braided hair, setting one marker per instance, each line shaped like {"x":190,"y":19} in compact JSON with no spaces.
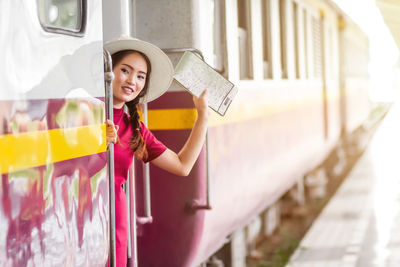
{"x":136,"y":143}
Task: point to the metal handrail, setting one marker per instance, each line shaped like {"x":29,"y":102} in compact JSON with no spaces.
{"x":131,"y":204}
{"x":108,"y":78}
{"x":196,"y":204}
{"x":146,"y":185}
{"x":128,"y":213}
{"x":133,"y":226}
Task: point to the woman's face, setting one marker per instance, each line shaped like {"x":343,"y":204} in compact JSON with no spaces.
{"x":130,"y":78}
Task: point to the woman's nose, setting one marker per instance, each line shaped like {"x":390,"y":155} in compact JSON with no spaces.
{"x":131,"y":79}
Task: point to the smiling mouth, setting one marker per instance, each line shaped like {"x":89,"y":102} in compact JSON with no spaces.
{"x":128,"y":90}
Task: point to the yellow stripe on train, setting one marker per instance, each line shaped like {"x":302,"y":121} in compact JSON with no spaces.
{"x":171,"y":119}
{"x":32,"y":149}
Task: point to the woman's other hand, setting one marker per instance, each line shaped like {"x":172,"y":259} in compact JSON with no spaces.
{"x":111,"y":132}
{"x":201,"y":105}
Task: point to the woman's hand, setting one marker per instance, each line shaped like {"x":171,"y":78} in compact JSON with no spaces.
{"x":111,"y":132}
{"x":201,"y":105}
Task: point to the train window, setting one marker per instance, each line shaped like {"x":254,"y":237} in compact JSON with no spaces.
{"x":306,"y":48}
{"x":317,"y":47}
{"x":328,"y":47}
{"x":282,"y":17}
{"x":296,"y":40}
{"x":266,"y":30}
{"x":62,"y":16}
{"x":220,"y":50}
{"x":331,"y":53}
{"x":244,"y":28}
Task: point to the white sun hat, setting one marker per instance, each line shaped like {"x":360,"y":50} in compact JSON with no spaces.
{"x":161,"y":66}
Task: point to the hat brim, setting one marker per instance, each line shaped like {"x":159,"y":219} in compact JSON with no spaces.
{"x":161,"y":66}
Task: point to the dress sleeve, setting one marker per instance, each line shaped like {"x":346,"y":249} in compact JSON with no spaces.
{"x":154,"y":147}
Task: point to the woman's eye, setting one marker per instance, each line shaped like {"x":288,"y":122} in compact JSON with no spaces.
{"x":141,"y":77}
{"x":125,"y":71}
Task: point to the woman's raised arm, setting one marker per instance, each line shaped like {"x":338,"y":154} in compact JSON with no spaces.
{"x":182,"y":163}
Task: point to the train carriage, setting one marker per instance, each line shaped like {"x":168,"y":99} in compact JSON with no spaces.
{"x":303,"y":86}
{"x":300,"y":66}
{"x":54,"y":189}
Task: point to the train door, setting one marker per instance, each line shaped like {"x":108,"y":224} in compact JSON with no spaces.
{"x":54,"y":190}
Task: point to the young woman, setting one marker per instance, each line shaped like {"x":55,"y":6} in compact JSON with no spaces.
{"x":142,"y":73}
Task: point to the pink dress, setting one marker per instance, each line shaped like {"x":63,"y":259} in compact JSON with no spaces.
{"x":123,"y":156}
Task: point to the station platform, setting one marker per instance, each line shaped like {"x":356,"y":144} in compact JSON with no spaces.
{"x":360,"y":226}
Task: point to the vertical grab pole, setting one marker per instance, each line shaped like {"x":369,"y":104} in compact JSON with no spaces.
{"x":196,"y":204}
{"x":146,"y":185}
{"x":128,"y":212}
{"x":108,"y":77}
{"x":147,"y":176}
{"x":132,"y":243}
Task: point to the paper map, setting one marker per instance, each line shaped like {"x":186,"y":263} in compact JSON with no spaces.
{"x":195,"y":75}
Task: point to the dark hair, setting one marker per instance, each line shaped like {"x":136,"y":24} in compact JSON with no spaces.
{"x":137,"y":143}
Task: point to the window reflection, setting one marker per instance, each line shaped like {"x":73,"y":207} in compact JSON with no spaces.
{"x":61,"y":14}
